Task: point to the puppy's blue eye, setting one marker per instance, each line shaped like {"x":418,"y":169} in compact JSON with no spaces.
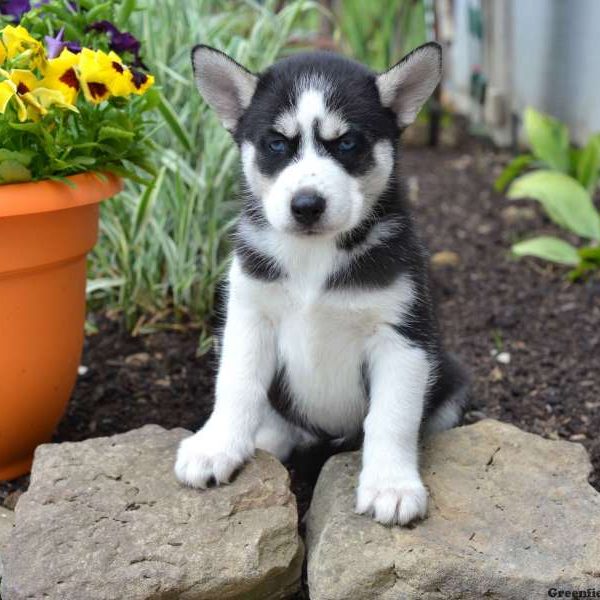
{"x":278,"y":146}
{"x":346,"y":144}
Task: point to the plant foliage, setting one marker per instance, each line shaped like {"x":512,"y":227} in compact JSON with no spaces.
{"x":563,"y":182}
{"x":72,"y":92}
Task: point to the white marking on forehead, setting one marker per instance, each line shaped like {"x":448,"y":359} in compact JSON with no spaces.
{"x":287,"y":125}
{"x":333,"y":126}
{"x":311,"y":108}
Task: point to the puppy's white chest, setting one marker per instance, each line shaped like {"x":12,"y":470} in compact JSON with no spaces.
{"x":321,"y":346}
{"x":323,"y":337}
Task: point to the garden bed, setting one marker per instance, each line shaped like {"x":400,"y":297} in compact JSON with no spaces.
{"x":548,"y":329}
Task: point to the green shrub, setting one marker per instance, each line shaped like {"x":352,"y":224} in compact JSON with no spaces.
{"x":381,"y":33}
{"x":563,"y":181}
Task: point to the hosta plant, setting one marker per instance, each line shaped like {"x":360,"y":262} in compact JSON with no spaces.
{"x":564,"y":180}
{"x":72,"y":92}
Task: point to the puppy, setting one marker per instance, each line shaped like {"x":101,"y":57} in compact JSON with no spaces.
{"x":330,"y":330}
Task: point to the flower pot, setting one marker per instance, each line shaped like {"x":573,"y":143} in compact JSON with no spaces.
{"x":46,"y":230}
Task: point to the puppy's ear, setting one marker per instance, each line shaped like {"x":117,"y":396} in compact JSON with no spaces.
{"x":226,"y":86}
{"x":406,"y":86}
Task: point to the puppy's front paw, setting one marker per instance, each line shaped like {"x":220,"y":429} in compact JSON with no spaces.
{"x":207,"y":456}
{"x":391,"y":500}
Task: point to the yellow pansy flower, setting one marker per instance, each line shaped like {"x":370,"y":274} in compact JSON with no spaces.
{"x":46,"y":98}
{"x":103,"y":75}
{"x":121,"y":84}
{"x":60,"y":74}
{"x":24,"y":80}
{"x":17,"y":41}
{"x":20,"y":82}
{"x":32,"y":100}
{"x":3,"y":54}
{"x":7,"y":91}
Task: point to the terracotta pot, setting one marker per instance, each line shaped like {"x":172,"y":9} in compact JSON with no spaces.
{"x":46,"y":230}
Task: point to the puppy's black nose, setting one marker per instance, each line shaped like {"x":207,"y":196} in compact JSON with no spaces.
{"x":307,"y":206}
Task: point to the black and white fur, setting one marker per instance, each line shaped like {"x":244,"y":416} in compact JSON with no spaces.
{"x":330,"y":331}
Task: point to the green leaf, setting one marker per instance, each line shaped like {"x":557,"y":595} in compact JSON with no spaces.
{"x":150,"y":100}
{"x":588,"y":165}
{"x":584,"y":268}
{"x":512,"y":170}
{"x":145,"y":204}
{"x":98,"y":11}
{"x":114,"y":133}
{"x":12,"y":171}
{"x":144,"y":164}
{"x":122,"y":171}
{"x":590,"y":254}
{"x":125,"y":11}
{"x":35,"y":128}
{"x":548,"y":248}
{"x":549,"y":139}
{"x":565,"y":200}
{"x":103,"y":283}
{"x":24,"y":157}
{"x":170,"y":116}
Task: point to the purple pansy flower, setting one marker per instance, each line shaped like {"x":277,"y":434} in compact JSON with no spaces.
{"x":15,"y":8}
{"x":119,"y":41}
{"x":55,"y":45}
{"x":74,"y":47}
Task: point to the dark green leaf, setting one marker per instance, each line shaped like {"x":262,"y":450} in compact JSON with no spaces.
{"x":512,"y":170}
{"x":588,"y":165}
{"x":590,"y":253}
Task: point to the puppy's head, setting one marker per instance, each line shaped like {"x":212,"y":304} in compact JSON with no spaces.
{"x":317,"y":131}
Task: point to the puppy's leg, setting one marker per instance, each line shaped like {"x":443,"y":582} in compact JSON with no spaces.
{"x":448,"y":397}
{"x":245,"y":372}
{"x":390,"y":487}
{"x":280,"y":437}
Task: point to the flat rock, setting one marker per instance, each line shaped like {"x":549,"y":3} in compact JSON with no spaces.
{"x":7,"y":520}
{"x":511,"y":516}
{"x":105,"y":519}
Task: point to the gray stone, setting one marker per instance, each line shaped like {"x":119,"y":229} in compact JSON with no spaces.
{"x":511,"y":515}
{"x":7,"y":520}
{"x":105,"y":519}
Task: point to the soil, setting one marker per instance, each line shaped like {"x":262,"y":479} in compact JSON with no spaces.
{"x":530,"y":338}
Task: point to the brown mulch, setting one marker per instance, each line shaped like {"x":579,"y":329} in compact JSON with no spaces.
{"x":529,"y":337}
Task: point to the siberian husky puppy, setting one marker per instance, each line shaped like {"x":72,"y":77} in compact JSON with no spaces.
{"x":330,"y":330}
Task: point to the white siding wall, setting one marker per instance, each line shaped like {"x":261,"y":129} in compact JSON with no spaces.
{"x":552,"y":48}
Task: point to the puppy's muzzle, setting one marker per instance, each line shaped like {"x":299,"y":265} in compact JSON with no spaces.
{"x":307,"y":207}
